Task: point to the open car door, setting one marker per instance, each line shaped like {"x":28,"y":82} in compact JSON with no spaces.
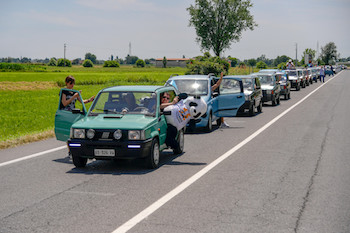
{"x":64,"y":119}
{"x":231,"y":97}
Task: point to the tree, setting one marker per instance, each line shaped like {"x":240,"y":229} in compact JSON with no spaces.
{"x":53,"y":62}
{"x":91,"y":57}
{"x":140,"y":63}
{"x":131,"y":59}
{"x":329,"y":53}
{"x":280,"y":59}
{"x":261,"y":65}
{"x":88,"y":63}
{"x":233,"y":60}
{"x":218,"y":23}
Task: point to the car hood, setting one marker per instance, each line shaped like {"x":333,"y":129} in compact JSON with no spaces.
{"x":114,"y":121}
{"x":267,"y":87}
{"x":293,"y":77}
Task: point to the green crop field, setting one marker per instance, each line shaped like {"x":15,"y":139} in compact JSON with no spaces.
{"x":28,"y":100}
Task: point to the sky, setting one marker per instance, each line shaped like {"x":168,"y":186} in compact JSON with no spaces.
{"x":39,"y":29}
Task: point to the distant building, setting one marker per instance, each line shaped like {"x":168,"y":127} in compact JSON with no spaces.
{"x":172,"y":62}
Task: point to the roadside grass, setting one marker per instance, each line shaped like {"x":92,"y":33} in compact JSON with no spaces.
{"x":29,"y":100}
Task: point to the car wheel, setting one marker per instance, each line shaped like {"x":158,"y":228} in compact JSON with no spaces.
{"x":252,"y":110}
{"x":209,"y":126}
{"x":260,"y":107}
{"x":289,"y":95}
{"x":79,"y":161}
{"x":152,"y":161}
{"x":298,"y":87}
{"x":278,"y":99}
{"x":286,"y":96}
{"x":180,"y":143}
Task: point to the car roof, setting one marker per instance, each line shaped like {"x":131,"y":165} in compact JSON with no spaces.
{"x":263,"y":73}
{"x":268,"y":70}
{"x":139,"y":88}
{"x":192,"y":76}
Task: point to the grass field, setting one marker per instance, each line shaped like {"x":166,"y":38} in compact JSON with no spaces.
{"x":29,"y":100}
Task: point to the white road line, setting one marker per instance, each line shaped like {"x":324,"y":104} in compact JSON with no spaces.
{"x":32,"y":156}
{"x":167,"y":197}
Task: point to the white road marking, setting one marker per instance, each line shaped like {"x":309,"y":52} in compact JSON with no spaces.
{"x":167,"y":197}
{"x":32,"y":156}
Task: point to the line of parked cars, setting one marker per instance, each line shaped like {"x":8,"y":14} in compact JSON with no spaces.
{"x":106,"y":131}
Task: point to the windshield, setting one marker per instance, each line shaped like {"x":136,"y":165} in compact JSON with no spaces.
{"x":291,"y":72}
{"x":192,"y":86}
{"x":115,"y":102}
{"x":266,"y":80}
{"x":247,"y":84}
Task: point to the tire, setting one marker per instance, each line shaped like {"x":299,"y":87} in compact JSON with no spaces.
{"x":152,"y":160}
{"x":252,"y":110}
{"x":285,"y":96}
{"x":209,"y":126}
{"x":274,"y":101}
{"x":260,"y":107}
{"x":289,"y":95}
{"x":278,"y":100}
{"x":180,"y":143}
{"x":79,"y":161}
{"x":298,"y":87}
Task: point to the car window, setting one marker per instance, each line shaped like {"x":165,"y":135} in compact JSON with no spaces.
{"x":192,"y":86}
{"x":266,"y":80}
{"x":248,"y":84}
{"x":229,"y":86}
{"x":126,"y":102}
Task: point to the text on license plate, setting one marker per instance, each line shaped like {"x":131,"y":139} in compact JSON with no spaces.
{"x":104,"y":152}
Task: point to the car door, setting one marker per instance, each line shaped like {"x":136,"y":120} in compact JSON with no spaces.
{"x":231,"y":97}
{"x":64,"y":119}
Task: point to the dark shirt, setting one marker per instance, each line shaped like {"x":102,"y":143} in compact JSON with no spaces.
{"x":69,"y":95}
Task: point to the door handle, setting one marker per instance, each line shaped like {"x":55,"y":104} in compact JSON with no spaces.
{"x":238,"y":97}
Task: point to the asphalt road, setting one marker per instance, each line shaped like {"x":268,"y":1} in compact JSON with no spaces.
{"x":292,"y":176}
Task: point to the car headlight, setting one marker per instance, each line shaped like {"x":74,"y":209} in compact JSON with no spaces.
{"x":136,"y":135}
{"x":117,"y":134}
{"x":90,"y":134}
{"x":247,"y":97}
{"x":79,"y":133}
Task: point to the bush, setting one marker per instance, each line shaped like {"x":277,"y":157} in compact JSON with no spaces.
{"x":111,"y":64}
{"x":52,"y":62}
{"x":140,"y":63}
{"x":88,"y":63}
{"x":207,"y":64}
{"x":261,"y":65}
{"x":64,"y":62}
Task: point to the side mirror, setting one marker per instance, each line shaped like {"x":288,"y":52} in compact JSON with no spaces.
{"x":215,"y":94}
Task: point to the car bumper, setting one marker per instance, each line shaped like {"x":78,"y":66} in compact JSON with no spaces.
{"x":267,"y":97}
{"x":123,"y":150}
{"x":294,"y":84}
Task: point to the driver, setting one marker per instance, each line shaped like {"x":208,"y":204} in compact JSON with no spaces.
{"x":130,"y":102}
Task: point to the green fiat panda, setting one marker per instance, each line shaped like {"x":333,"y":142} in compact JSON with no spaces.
{"x":123,"y":122}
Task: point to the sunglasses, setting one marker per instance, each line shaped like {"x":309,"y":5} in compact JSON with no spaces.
{"x":165,"y":97}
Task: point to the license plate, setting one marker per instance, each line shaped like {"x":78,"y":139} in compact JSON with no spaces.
{"x":104,"y":152}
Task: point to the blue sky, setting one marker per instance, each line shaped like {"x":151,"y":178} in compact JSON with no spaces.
{"x":157,"y":28}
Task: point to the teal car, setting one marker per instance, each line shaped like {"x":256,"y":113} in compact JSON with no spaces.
{"x":124,"y":122}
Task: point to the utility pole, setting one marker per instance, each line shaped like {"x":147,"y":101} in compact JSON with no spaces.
{"x":130,"y":48}
{"x":64,"y":55}
{"x":296,"y":53}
